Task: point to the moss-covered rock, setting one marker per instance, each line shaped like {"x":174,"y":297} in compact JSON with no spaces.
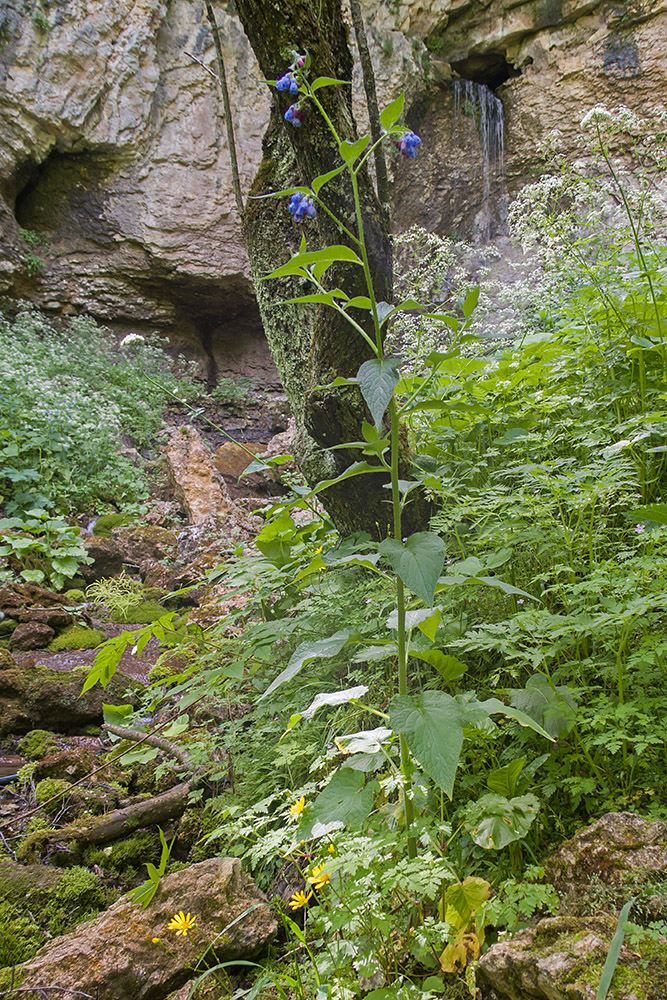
{"x":37,"y":902}
{"x":77,"y":637}
{"x":31,"y":696}
{"x":38,"y":744}
{"x":562,"y":959}
{"x":105,"y":524}
{"x":141,"y":614}
{"x":126,"y":857}
{"x":75,"y":596}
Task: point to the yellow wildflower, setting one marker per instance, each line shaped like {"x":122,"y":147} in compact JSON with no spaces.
{"x":297,"y":808}
{"x":181,"y":923}
{"x":317,"y":879}
{"x":299,"y":900}
{"x":331,"y":849}
{"x":318,"y":551}
{"x":156,"y":940}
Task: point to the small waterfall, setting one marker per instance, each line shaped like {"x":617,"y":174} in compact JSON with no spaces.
{"x":476,"y":100}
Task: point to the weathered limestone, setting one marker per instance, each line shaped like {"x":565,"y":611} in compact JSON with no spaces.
{"x":114,"y":955}
{"x":114,"y":150}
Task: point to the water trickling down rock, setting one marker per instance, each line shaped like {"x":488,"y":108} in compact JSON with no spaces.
{"x":477,"y":101}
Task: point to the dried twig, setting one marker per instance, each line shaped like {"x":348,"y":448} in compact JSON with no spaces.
{"x":228,"y":110}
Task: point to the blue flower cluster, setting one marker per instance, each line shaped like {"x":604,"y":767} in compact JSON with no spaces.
{"x":408,"y":144}
{"x":301,"y":206}
{"x":288,"y":82}
{"x":295,"y":115}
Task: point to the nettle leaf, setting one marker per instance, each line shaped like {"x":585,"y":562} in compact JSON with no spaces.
{"x":392,"y":112}
{"x":351,"y":150}
{"x":345,"y":802}
{"x":377,"y":380}
{"x":493,"y":821}
{"x":304,"y":653}
{"x":432,"y":724}
{"x":418,"y":562}
{"x":334,"y":698}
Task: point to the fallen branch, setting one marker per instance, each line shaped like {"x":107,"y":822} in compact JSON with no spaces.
{"x":134,"y":736}
{"x":122,"y":822}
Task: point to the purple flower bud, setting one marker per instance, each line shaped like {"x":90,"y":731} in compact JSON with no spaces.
{"x":293,"y":87}
{"x":408,"y":145}
{"x":300,"y":206}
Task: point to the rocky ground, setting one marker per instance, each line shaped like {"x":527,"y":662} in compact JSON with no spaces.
{"x":79,"y":824}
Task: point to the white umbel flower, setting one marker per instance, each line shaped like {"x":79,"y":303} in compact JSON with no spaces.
{"x":132,"y":338}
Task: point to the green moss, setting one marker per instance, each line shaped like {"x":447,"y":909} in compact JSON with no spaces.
{"x":126,"y":857}
{"x":37,"y":744}
{"x":77,"y":637}
{"x":47,"y":788}
{"x":30,"y":849}
{"x":75,"y":596}
{"x":142,"y":614}
{"x":104,"y":525}
{"x":37,"y":900}
{"x":21,"y":937}
{"x":78,"y":896}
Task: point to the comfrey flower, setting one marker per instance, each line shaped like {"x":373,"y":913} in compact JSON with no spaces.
{"x":301,"y":206}
{"x":408,"y":144}
{"x":295,"y":115}
{"x":288,"y":82}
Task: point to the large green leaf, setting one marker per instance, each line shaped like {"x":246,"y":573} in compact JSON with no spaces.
{"x":351,"y":150}
{"x":392,"y":112}
{"x":656,"y":512}
{"x":346,"y":801}
{"x":301,"y":260}
{"x":377,"y":380}
{"x":432,"y":725}
{"x":554,"y":708}
{"x":333,"y":698}
{"x":418,"y":561}
{"x":304,"y":653}
{"x":614,"y":953}
{"x":493,"y":706}
{"x":503,"y":781}
{"x":447,"y":666}
{"x":494,"y":821}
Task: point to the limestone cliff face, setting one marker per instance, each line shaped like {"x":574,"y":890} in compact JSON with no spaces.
{"x":113,"y":149}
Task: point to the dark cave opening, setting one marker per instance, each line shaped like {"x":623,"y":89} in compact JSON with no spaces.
{"x":491,"y":68}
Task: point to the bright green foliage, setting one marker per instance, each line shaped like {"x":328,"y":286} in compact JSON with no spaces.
{"x":107,"y":522}
{"x":41,"y":549}
{"x":60,"y":423}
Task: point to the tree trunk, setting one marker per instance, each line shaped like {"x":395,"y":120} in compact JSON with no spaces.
{"x":311,"y":345}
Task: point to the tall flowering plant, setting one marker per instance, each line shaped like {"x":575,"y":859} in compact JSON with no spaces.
{"x":430,"y":725}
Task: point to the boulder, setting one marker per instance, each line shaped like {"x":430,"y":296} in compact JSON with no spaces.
{"x":31,"y":635}
{"x":36,"y":697}
{"x":198,"y":486}
{"x":107,"y":558}
{"x":148,"y":542}
{"x":54,"y":617}
{"x":613,"y":848}
{"x":562,"y":959}
{"x":114,"y":956}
